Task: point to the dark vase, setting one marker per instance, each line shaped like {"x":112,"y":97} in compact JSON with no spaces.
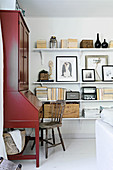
{"x":97,"y":43}
{"x":104,"y":44}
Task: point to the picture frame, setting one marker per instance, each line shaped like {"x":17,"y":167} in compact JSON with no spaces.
{"x":96,"y":62}
{"x":88,"y":75}
{"x":107,"y":73}
{"x":66,"y":69}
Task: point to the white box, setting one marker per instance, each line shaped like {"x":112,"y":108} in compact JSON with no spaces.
{"x":91,"y":113}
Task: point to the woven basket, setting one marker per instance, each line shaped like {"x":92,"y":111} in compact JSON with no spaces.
{"x":11,"y":148}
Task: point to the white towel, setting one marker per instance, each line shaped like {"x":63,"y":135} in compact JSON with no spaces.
{"x":16,"y":135}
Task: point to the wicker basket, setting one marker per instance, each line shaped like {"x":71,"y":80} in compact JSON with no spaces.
{"x":11,"y":148}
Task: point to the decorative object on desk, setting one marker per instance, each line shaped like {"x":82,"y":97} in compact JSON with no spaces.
{"x":69,"y":43}
{"x":86,"y":44}
{"x":96,"y":62}
{"x":41,"y":43}
{"x":43,"y":75}
{"x":97,"y":43}
{"x":111,"y":44}
{"x":107,"y":72}
{"x":104,"y":44}
{"x":53,"y":42}
{"x":50,"y":69}
{"x":56,"y":93}
{"x":66,"y":69}
{"x":41,"y":93}
{"x":88,"y":75}
{"x":89,"y":93}
{"x":9,"y":165}
{"x":72,"y":95}
{"x":10,"y":145}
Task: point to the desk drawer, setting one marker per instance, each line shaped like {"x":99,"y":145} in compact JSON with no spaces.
{"x":70,"y":111}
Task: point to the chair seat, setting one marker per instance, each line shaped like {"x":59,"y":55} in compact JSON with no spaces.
{"x":49,"y":125}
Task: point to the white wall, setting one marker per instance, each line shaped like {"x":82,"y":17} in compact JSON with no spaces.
{"x":7,"y":4}
{"x":64,"y":28}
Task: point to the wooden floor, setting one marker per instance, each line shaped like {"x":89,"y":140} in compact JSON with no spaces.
{"x":80,"y":154}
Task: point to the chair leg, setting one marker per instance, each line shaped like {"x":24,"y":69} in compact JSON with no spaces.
{"x":53,"y":135}
{"x":33,"y":145}
{"x":61,"y":138}
{"x":41,"y":137}
{"x":46,"y":145}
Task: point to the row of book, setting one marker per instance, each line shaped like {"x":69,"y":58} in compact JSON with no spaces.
{"x":44,"y":93}
{"x":104,"y":93}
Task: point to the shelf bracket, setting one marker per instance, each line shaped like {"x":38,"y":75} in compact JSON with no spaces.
{"x":42,"y":57}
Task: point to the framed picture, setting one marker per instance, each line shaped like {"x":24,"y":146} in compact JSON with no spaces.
{"x":96,"y":62}
{"x":88,"y":75}
{"x":66,"y":68}
{"x":107,"y":72}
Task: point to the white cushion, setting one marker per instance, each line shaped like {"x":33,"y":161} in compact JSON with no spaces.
{"x":107,"y":116}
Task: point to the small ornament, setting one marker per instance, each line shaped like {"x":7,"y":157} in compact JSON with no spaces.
{"x":104,"y":44}
{"x":97,"y":43}
{"x":111,"y":44}
{"x":53,"y":42}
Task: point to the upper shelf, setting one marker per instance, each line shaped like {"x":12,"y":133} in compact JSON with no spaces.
{"x":71,"y":49}
{"x":78,"y":82}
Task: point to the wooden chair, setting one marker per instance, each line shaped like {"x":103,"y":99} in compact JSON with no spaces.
{"x":55,"y":121}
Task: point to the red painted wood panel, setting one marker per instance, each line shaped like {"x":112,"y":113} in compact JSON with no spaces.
{"x":9,"y":22}
{"x":18,"y":108}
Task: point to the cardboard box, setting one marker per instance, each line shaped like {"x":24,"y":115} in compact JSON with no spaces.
{"x":86,"y":44}
{"x":69,"y":43}
{"x":71,"y":110}
{"x":72,"y":43}
{"x":41,"y":43}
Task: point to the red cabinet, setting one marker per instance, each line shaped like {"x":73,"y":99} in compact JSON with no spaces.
{"x":23,"y":56}
{"x":21,"y":107}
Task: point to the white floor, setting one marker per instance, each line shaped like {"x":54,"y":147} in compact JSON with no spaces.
{"x":80,"y":154}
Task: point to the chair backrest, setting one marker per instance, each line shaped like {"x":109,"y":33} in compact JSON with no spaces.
{"x":57,"y":110}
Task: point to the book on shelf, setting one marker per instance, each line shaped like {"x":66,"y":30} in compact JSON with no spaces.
{"x":104,"y":93}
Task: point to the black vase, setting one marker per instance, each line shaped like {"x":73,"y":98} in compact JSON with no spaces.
{"x":97,"y":43}
{"x":104,"y":44}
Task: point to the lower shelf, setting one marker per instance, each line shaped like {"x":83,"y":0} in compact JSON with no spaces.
{"x":81,"y":118}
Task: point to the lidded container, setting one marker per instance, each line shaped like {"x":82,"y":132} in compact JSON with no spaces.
{"x":53,"y":42}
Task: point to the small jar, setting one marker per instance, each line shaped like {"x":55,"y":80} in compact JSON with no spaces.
{"x":53,"y":42}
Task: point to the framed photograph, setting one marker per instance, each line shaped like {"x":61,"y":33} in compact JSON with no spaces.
{"x":96,"y":62}
{"x":88,"y":75}
{"x":66,"y":68}
{"x":107,"y":72}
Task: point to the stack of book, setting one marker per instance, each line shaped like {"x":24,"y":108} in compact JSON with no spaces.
{"x":91,"y":113}
{"x":41,"y":93}
{"x":104,"y":93}
{"x":56,"y":93}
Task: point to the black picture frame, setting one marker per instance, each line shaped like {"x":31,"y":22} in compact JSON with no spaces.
{"x":66,"y":69}
{"x":107,"y":73}
{"x":88,"y":75}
